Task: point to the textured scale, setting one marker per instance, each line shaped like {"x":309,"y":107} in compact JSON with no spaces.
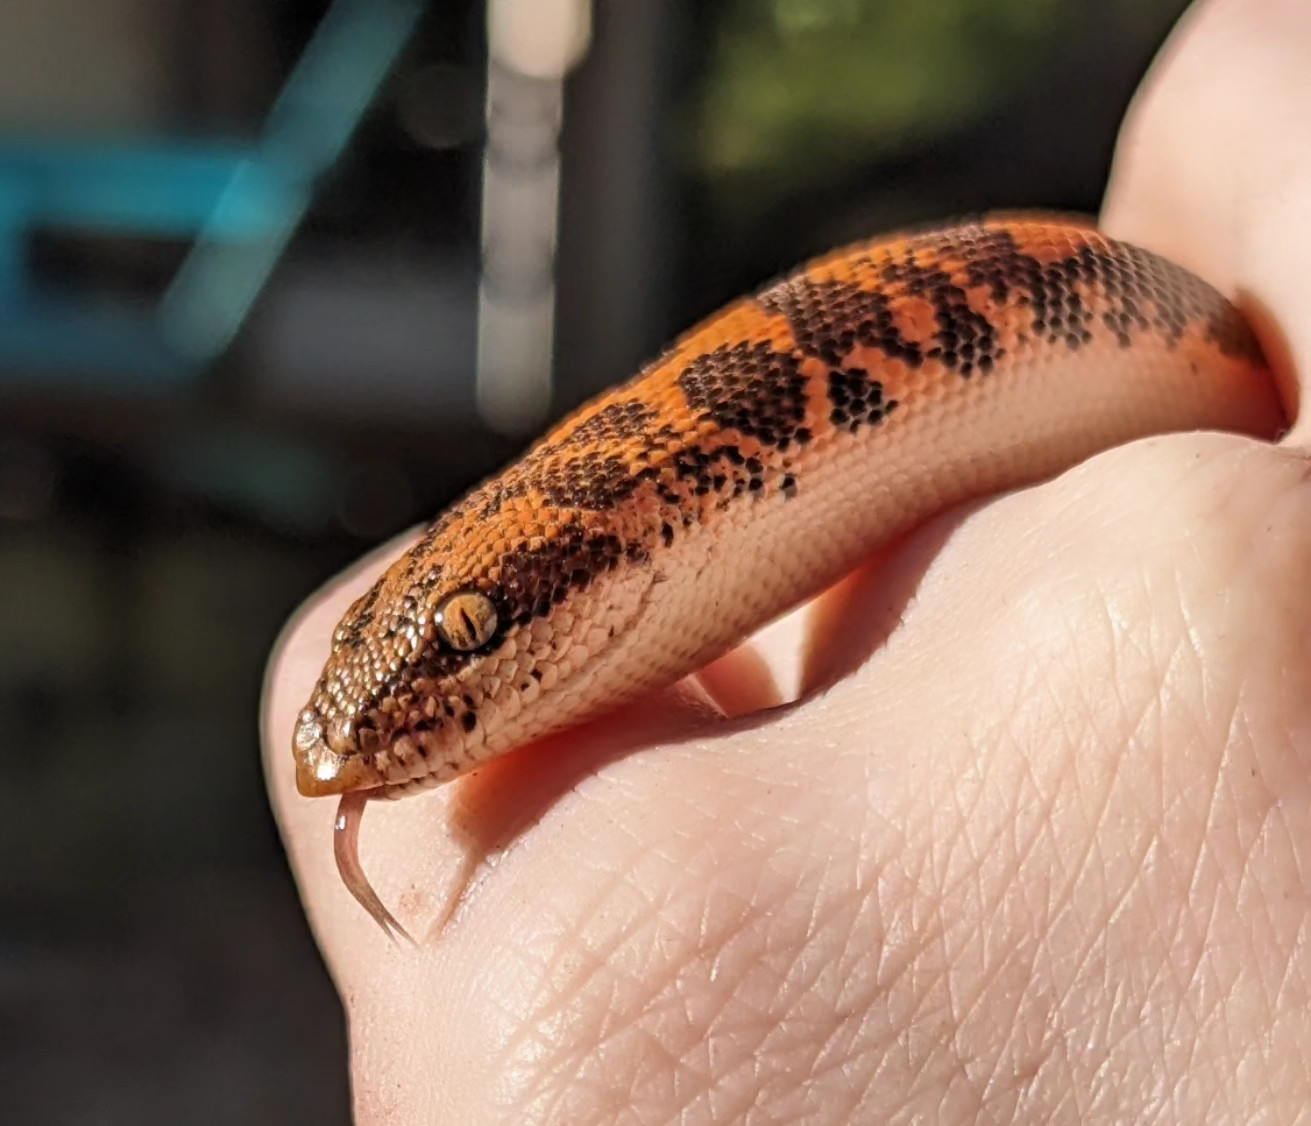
{"x":756,"y":462}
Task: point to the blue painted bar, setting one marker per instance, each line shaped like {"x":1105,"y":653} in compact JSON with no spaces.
{"x":241,"y":203}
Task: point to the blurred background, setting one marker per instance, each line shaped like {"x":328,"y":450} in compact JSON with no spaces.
{"x":279,"y":278}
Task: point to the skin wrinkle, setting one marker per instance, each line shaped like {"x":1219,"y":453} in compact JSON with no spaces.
{"x":800,"y":982}
{"x":838,"y":1051}
{"x":868,"y":1036}
{"x":838,"y":918}
{"x":1180,"y":982}
{"x":1086,"y":858}
{"x":1002,"y":1015}
{"x":1206,"y":1005}
{"x":1032,"y":1048}
{"x":895,"y":981}
{"x":741,"y":1077}
{"x":1175,"y":1019}
{"x":582,"y":1075}
{"x":612,"y":1032}
{"x":582,"y":964}
{"x":1288,"y":982}
{"x":484,"y":859}
{"x":1271,"y":990}
{"x":1262,"y":905}
{"x":696,"y":1062}
{"x":579,"y":961}
{"x":972,"y":873}
{"x":596,"y":967}
{"x":739,"y":1084}
{"x":1215,"y":1019}
{"x":1132,"y":661}
{"x":869,"y":1028}
{"x":957,"y":873}
{"x":947,"y":1065}
{"x":1191,"y":645}
{"x":660,"y":1072}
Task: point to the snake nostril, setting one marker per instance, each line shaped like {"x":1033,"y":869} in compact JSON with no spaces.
{"x":340,"y":734}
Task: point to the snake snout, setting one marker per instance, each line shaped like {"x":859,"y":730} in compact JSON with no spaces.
{"x":327,"y":758}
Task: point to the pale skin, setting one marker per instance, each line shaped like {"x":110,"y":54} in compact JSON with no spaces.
{"x":1033,"y":845}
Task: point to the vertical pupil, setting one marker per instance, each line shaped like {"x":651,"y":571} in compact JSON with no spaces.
{"x":466,"y":621}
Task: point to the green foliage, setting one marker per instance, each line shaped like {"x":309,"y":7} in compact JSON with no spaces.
{"x":796,"y":85}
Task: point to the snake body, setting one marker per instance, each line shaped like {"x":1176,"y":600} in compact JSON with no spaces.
{"x":754,"y":463}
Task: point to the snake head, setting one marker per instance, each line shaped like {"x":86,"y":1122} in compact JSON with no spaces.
{"x":397,"y":691}
{"x":475,"y":641}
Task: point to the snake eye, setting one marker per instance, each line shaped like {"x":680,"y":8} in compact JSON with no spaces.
{"x":466,"y":620}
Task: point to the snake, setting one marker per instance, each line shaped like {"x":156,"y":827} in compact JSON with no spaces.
{"x":764,"y":455}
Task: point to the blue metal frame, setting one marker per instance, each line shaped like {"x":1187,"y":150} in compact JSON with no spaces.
{"x":240,"y":204}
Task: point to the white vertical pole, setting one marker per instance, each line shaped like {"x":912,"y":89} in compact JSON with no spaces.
{"x":533,"y":45}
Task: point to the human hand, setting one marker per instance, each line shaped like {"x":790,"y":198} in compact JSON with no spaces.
{"x":1038,"y":852}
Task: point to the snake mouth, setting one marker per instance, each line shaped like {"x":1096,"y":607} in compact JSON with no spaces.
{"x":322,"y":770}
{"x":319,"y":776}
{"x":330,"y":760}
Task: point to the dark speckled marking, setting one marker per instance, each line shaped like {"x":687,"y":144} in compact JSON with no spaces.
{"x":963,"y":337}
{"x":722,"y":470}
{"x":856,"y":399}
{"x":615,"y":422}
{"x":576,"y":471}
{"x":1135,"y":292}
{"x":749,"y":388}
{"x":828,"y":319}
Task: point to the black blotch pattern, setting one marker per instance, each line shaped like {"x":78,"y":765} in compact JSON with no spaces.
{"x":1233,"y":335}
{"x":1139,"y":292}
{"x":575,"y":472}
{"x":828,"y":319}
{"x":618,"y":421}
{"x":964,"y":337}
{"x":1178,"y":298}
{"x":721,"y":470}
{"x":1060,"y":314}
{"x":749,"y":388}
{"x":856,"y":400}
{"x":1136,"y":292}
{"x":591,"y":481}
{"x":539,"y":578}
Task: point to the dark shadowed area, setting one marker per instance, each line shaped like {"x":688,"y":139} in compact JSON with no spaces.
{"x":280,"y":278}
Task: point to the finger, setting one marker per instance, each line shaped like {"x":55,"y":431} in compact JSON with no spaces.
{"x":756,"y":674}
{"x":1213,"y":167}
